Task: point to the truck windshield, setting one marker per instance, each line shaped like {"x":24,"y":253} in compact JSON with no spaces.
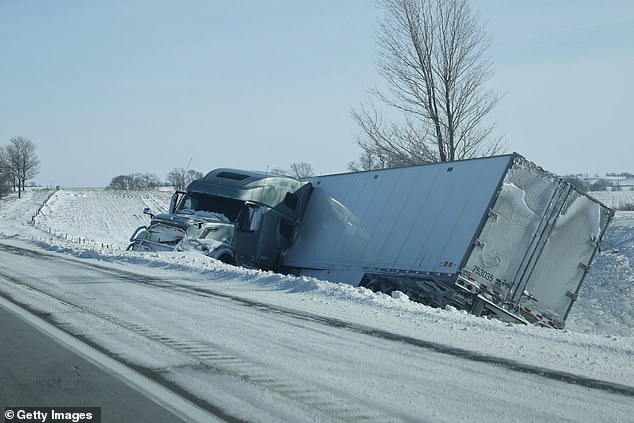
{"x":196,"y":202}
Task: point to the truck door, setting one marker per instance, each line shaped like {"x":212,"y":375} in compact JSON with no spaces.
{"x":247,"y":235}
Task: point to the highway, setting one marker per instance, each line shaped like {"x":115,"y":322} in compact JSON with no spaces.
{"x":42,"y":366}
{"x":87,"y":333}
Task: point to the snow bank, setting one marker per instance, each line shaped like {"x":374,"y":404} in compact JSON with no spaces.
{"x":97,"y":224}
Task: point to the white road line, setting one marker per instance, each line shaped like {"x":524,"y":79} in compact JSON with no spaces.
{"x":142,"y":384}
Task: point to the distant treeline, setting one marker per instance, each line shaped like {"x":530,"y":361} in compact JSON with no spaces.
{"x":178,"y":178}
{"x":592,"y":185}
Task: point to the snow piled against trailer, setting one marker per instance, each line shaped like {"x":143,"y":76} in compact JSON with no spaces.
{"x":98,"y":223}
{"x":606,"y":299}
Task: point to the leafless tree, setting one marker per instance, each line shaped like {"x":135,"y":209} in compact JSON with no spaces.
{"x":135,"y":181}
{"x":180,"y":178}
{"x":299,"y":170}
{"x":19,"y":162}
{"x":432,"y":55}
{"x":145,"y":181}
{"x":121,"y":182}
{"x":302,"y":170}
{"x":6,"y":175}
{"x":5,"y":167}
{"x":278,"y":171}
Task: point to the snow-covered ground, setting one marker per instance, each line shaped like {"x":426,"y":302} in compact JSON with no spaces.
{"x":94,"y":225}
{"x":615,"y":199}
{"x":103,"y":221}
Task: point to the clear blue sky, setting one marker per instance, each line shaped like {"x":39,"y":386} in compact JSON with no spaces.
{"x":125,"y":86}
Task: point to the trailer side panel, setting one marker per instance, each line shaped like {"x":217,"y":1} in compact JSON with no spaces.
{"x":414,"y":220}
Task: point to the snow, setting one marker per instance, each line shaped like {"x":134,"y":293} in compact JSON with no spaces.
{"x":615,"y":199}
{"x":95,"y":226}
{"x":206,"y":214}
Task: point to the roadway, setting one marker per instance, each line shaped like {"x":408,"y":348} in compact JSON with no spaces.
{"x":210,"y":353}
{"x":41,"y":366}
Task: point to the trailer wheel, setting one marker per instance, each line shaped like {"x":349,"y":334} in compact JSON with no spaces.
{"x":370,"y":283}
{"x":378,"y":284}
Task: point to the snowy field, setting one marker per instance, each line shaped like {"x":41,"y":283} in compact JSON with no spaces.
{"x":598,"y":342}
{"x":615,"y":199}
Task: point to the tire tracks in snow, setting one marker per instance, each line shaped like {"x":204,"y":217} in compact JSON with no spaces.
{"x":213,"y":357}
{"x":516,"y":366}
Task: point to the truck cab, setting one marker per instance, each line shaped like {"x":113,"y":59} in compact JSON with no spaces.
{"x":239,"y":217}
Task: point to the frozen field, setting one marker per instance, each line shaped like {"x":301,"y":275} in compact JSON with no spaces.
{"x":615,"y":199}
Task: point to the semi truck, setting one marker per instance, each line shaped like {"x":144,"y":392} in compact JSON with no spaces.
{"x":496,"y":236}
{"x":239,"y":217}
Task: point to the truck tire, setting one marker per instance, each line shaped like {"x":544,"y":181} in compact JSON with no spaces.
{"x":227,"y":259}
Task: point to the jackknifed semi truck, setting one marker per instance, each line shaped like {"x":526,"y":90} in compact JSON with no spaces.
{"x":496,"y":236}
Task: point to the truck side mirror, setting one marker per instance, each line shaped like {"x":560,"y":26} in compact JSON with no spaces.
{"x":250,"y":218}
{"x":290,"y":200}
{"x":175,"y":201}
{"x":148,"y":212}
{"x":256,"y":218}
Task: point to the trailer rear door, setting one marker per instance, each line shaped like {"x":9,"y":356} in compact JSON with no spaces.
{"x":516,"y":223}
{"x":555,"y":280}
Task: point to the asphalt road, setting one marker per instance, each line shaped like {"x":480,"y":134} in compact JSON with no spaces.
{"x":243,"y":359}
{"x":39,"y":369}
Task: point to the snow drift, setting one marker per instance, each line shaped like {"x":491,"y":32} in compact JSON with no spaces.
{"x":97,"y":223}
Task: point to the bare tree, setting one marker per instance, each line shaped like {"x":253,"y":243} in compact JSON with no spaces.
{"x":134,"y":181}
{"x":20,"y":162}
{"x":6,"y":174}
{"x":278,"y":171}
{"x":121,"y":182}
{"x":302,"y":170}
{"x":432,"y":57}
{"x":145,"y":181}
{"x":180,"y":178}
{"x":299,"y":170}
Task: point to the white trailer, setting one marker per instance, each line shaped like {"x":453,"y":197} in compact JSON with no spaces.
{"x":496,"y":236}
